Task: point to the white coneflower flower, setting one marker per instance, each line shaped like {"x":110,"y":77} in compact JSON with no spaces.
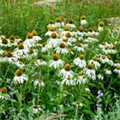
{"x":21,"y":50}
{"x":39,"y":83}
{"x":95,"y":32}
{"x":101,"y":26}
{"x":32,"y":53}
{"x":91,"y":39}
{"x":85,"y":32}
{"x":54,"y":40}
{"x":19,"y":64}
{"x":117,"y":70}
{"x":113,"y":51}
{"x":71,"y":24}
{"x":108,"y":71}
{"x":83,"y":20}
{"x":61,"y":49}
{"x":78,"y":104}
{"x":36,"y":38}
{"x":106,"y":59}
{"x":66,"y":29}
{"x":56,"y":62}
{"x":59,"y":23}
{"x":17,"y":39}
{"x":46,"y":47}
{"x":51,"y":23}
{"x":81,"y":79}
{"x":95,"y":62}
{"x":29,"y":42}
{"x":38,"y":44}
{"x":102,"y":45}
{"x":4,"y":42}
{"x":66,"y":71}
{"x":14,"y":40}
{"x":68,"y":81}
{"x":40,"y":62}
{"x":87,"y":89}
{"x":109,"y":44}
{"x":109,"y":50}
{"x":117,"y":63}
{"x":51,"y":30}
{"x":79,"y":47}
{"x":80,"y":61}
{"x":80,"y":33}
{"x":90,"y":72}
{"x":9,"y":57}
{"x":74,"y":33}
{"x":36,"y":109}
{"x":19,"y":77}
{"x":90,"y":32}
{"x":69,"y":36}
{"x":106,"y":50}
{"x":68,"y":43}
{"x":100,"y":76}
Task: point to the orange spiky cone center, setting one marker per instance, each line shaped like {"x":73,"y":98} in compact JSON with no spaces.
{"x":18,"y":72}
{"x":20,"y":46}
{"x":62,"y":45}
{"x":90,"y":66}
{"x":67,"y":67}
{"x":56,"y":57}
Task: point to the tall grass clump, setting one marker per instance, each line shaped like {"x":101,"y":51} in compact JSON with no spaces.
{"x":18,"y":17}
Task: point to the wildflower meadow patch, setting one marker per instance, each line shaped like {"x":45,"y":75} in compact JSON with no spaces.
{"x":72,"y":71}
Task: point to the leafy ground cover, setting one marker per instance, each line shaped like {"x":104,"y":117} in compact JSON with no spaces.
{"x":68,"y":70}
